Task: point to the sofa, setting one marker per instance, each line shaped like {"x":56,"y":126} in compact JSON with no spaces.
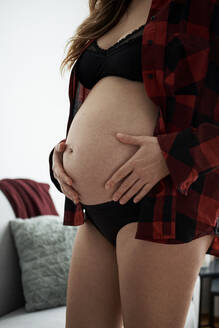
{"x":12,"y":310}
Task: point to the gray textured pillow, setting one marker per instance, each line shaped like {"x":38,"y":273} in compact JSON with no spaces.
{"x":44,"y":247}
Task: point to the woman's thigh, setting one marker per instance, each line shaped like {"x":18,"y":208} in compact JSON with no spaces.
{"x":157,"y":280}
{"x":93,"y":298}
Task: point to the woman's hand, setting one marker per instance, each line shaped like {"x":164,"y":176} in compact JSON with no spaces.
{"x":144,"y":169}
{"x":58,"y":171}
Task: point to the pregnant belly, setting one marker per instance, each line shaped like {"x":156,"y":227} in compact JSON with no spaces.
{"x":93,"y":153}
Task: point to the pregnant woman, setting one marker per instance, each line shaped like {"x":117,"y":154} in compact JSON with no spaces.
{"x":118,"y":277}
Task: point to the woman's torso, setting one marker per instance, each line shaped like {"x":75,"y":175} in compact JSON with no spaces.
{"x":93,"y":154}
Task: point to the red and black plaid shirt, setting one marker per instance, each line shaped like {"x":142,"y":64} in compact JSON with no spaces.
{"x":180,"y":69}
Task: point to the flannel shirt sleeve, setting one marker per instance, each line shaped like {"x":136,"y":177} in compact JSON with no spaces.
{"x":194,"y":151}
{"x":190,"y":152}
{"x":54,"y":180}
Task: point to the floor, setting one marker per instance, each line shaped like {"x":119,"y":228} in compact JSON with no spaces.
{"x":204,"y":321}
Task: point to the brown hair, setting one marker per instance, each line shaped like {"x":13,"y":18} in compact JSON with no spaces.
{"x":104,"y":14}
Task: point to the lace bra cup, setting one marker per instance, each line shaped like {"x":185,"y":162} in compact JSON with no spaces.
{"x":121,"y":59}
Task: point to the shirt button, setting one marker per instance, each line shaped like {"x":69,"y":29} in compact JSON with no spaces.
{"x":150,"y":42}
{"x":150,"y":76}
{"x":153,"y":17}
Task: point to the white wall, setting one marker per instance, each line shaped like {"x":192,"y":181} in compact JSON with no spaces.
{"x":34,"y":102}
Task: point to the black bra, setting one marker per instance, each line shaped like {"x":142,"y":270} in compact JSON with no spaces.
{"x":121,"y":59}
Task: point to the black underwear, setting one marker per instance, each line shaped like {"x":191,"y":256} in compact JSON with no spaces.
{"x":110,"y":217}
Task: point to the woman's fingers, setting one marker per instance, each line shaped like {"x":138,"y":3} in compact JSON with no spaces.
{"x":65,"y":187}
{"x":69,"y":192}
{"x":60,"y":147}
{"x":59,"y":173}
